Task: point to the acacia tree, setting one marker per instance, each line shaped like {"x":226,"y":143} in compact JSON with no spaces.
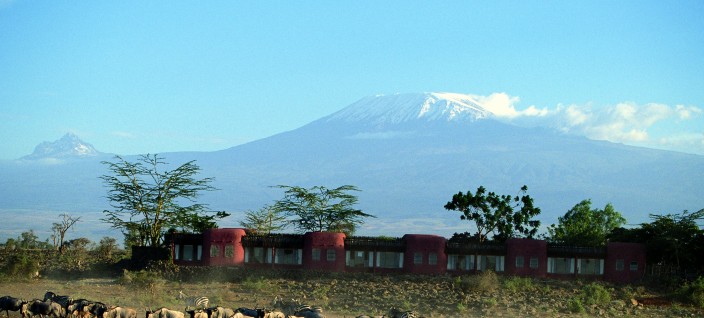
{"x":504,"y":216}
{"x":265,"y":220}
{"x":147,"y":200}
{"x":321,"y":209}
{"x":59,"y":230}
{"x":582,"y":225}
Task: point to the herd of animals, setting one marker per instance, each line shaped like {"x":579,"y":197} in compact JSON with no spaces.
{"x":60,"y":306}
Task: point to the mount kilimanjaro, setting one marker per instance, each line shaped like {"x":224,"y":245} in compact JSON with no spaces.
{"x":408,"y":153}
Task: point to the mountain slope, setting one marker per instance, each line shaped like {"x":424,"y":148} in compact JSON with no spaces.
{"x":69,"y":146}
{"x":408,"y":154}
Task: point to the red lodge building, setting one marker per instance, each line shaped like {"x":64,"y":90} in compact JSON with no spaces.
{"x":410,"y":254}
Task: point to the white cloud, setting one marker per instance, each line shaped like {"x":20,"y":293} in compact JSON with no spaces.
{"x":503,"y":106}
{"x":651,"y":125}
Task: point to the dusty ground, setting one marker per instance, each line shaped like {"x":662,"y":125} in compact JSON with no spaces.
{"x":350,"y":295}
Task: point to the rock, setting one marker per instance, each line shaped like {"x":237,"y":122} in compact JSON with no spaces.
{"x":634,"y":302}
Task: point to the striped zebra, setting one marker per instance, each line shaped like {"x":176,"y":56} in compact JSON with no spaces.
{"x":395,"y":313}
{"x":307,"y":311}
{"x":198,"y":302}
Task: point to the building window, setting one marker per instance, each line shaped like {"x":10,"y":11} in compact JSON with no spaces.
{"x":460,"y":262}
{"x":389,"y":260}
{"x":229,"y":250}
{"x":316,"y":254}
{"x":257,"y":255}
{"x":560,"y":265}
{"x":214,"y":251}
{"x":177,"y":252}
{"x":432,"y":258}
{"x":619,"y":265}
{"x":290,"y":256}
{"x":417,"y":258}
{"x":188,"y":252}
{"x":199,"y":252}
{"x":634,"y":266}
{"x":359,"y":259}
{"x":492,"y":262}
{"x":332,"y":255}
{"x":519,"y":261}
{"x":533,"y":262}
{"x":590,"y":266}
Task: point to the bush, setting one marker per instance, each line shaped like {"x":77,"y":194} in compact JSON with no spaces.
{"x":515,"y":284}
{"x":693,"y":292}
{"x":21,"y":265}
{"x":575,"y":305}
{"x":487,"y":281}
{"x":594,"y":293}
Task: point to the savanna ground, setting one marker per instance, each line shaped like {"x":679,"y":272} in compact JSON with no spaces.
{"x":353,"y":294}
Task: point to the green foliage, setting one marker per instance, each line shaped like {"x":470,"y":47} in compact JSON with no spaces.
{"x":21,"y":265}
{"x":693,"y":292}
{"x":584,"y":226}
{"x":673,"y":240}
{"x":503,"y":215}
{"x":515,"y":284}
{"x":255,"y":284}
{"x":574,"y":305}
{"x":594,"y":294}
{"x":264,"y":221}
{"x":322,"y":209}
{"x":146,"y":200}
{"x":489,"y":302}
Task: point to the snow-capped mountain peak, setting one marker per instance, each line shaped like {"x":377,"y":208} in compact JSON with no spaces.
{"x":68,"y":146}
{"x":400,"y":108}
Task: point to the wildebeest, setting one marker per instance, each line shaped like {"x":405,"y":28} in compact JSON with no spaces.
{"x":41,"y":308}
{"x":220,"y":312}
{"x":119,"y":312}
{"x":255,"y":313}
{"x":97,"y":309}
{"x":274,"y":314}
{"x":8,"y":303}
{"x":80,"y":308}
{"x":197,"y":313}
{"x":164,"y":313}
{"x":62,"y":300}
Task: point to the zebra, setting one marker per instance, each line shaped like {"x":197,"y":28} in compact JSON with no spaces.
{"x":193,"y":301}
{"x":308,"y":311}
{"x":395,"y":313}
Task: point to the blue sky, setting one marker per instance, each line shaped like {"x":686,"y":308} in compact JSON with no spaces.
{"x":135,"y":77}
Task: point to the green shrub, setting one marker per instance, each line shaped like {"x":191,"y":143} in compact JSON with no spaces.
{"x":21,"y":265}
{"x":575,"y":305}
{"x":693,"y":292}
{"x":490,"y":302}
{"x":594,"y":293}
{"x":255,"y":284}
{"x":515,"y":284}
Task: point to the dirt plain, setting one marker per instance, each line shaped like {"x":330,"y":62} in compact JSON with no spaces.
{"x":351,"y":295}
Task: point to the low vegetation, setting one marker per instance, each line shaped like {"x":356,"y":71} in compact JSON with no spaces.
{"x":352,"y":294}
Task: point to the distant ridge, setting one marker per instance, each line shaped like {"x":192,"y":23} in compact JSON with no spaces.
{"x":69,"y":146}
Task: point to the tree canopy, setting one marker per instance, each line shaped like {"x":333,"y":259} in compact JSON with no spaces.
{"x":321,"y":209}
{"x":675,"y":240}
{"x":584,"y":226}
{"x":504,"y":216}
{"x":265,"y":220}
{"x":146,"y":199}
